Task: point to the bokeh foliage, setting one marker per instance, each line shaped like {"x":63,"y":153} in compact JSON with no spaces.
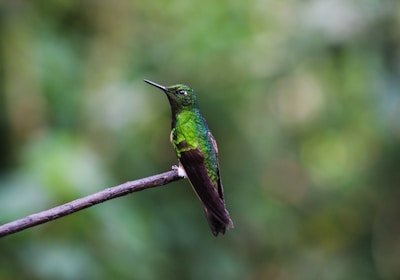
{"x":303,"y":98}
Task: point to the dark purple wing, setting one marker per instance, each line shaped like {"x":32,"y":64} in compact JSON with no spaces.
{"x":210,"y":195}
{"x":219,"y":183}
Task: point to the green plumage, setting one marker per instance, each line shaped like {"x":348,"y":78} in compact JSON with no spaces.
{"x":191,"y":128}
{"x":197,"y":153}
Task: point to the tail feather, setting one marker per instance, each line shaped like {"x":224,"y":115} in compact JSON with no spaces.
{"x":216,"y":225}
{"x":209,"y":192}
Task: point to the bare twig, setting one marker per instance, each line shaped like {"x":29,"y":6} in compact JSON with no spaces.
{"x":88,"y":201}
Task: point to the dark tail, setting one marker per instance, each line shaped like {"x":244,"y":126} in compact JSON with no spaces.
{"x":218,"y":224}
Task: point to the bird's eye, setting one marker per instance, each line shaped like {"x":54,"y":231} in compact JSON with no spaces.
{"x":182,"y":92}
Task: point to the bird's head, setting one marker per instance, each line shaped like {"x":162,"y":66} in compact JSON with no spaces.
{"x":181,"y":97}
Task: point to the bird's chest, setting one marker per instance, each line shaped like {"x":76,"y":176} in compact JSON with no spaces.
{"x":185,"y":136}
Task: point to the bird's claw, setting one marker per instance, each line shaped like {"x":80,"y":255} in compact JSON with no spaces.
{"x":181,"y":171}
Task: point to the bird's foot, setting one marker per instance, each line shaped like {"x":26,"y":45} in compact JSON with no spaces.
{"x":181,"y":170}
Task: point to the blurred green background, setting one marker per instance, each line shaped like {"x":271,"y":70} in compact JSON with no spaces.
{"x":303,"y":98}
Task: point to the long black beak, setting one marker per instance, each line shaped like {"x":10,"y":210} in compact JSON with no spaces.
{"x":156,"y":85}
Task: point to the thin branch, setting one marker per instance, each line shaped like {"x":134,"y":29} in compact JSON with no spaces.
{"x":88,"y":201}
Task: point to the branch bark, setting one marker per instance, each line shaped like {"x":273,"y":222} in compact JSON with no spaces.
{"x":88,"y":201}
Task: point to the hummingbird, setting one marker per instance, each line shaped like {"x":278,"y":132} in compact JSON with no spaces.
{"x":197,"y":154}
